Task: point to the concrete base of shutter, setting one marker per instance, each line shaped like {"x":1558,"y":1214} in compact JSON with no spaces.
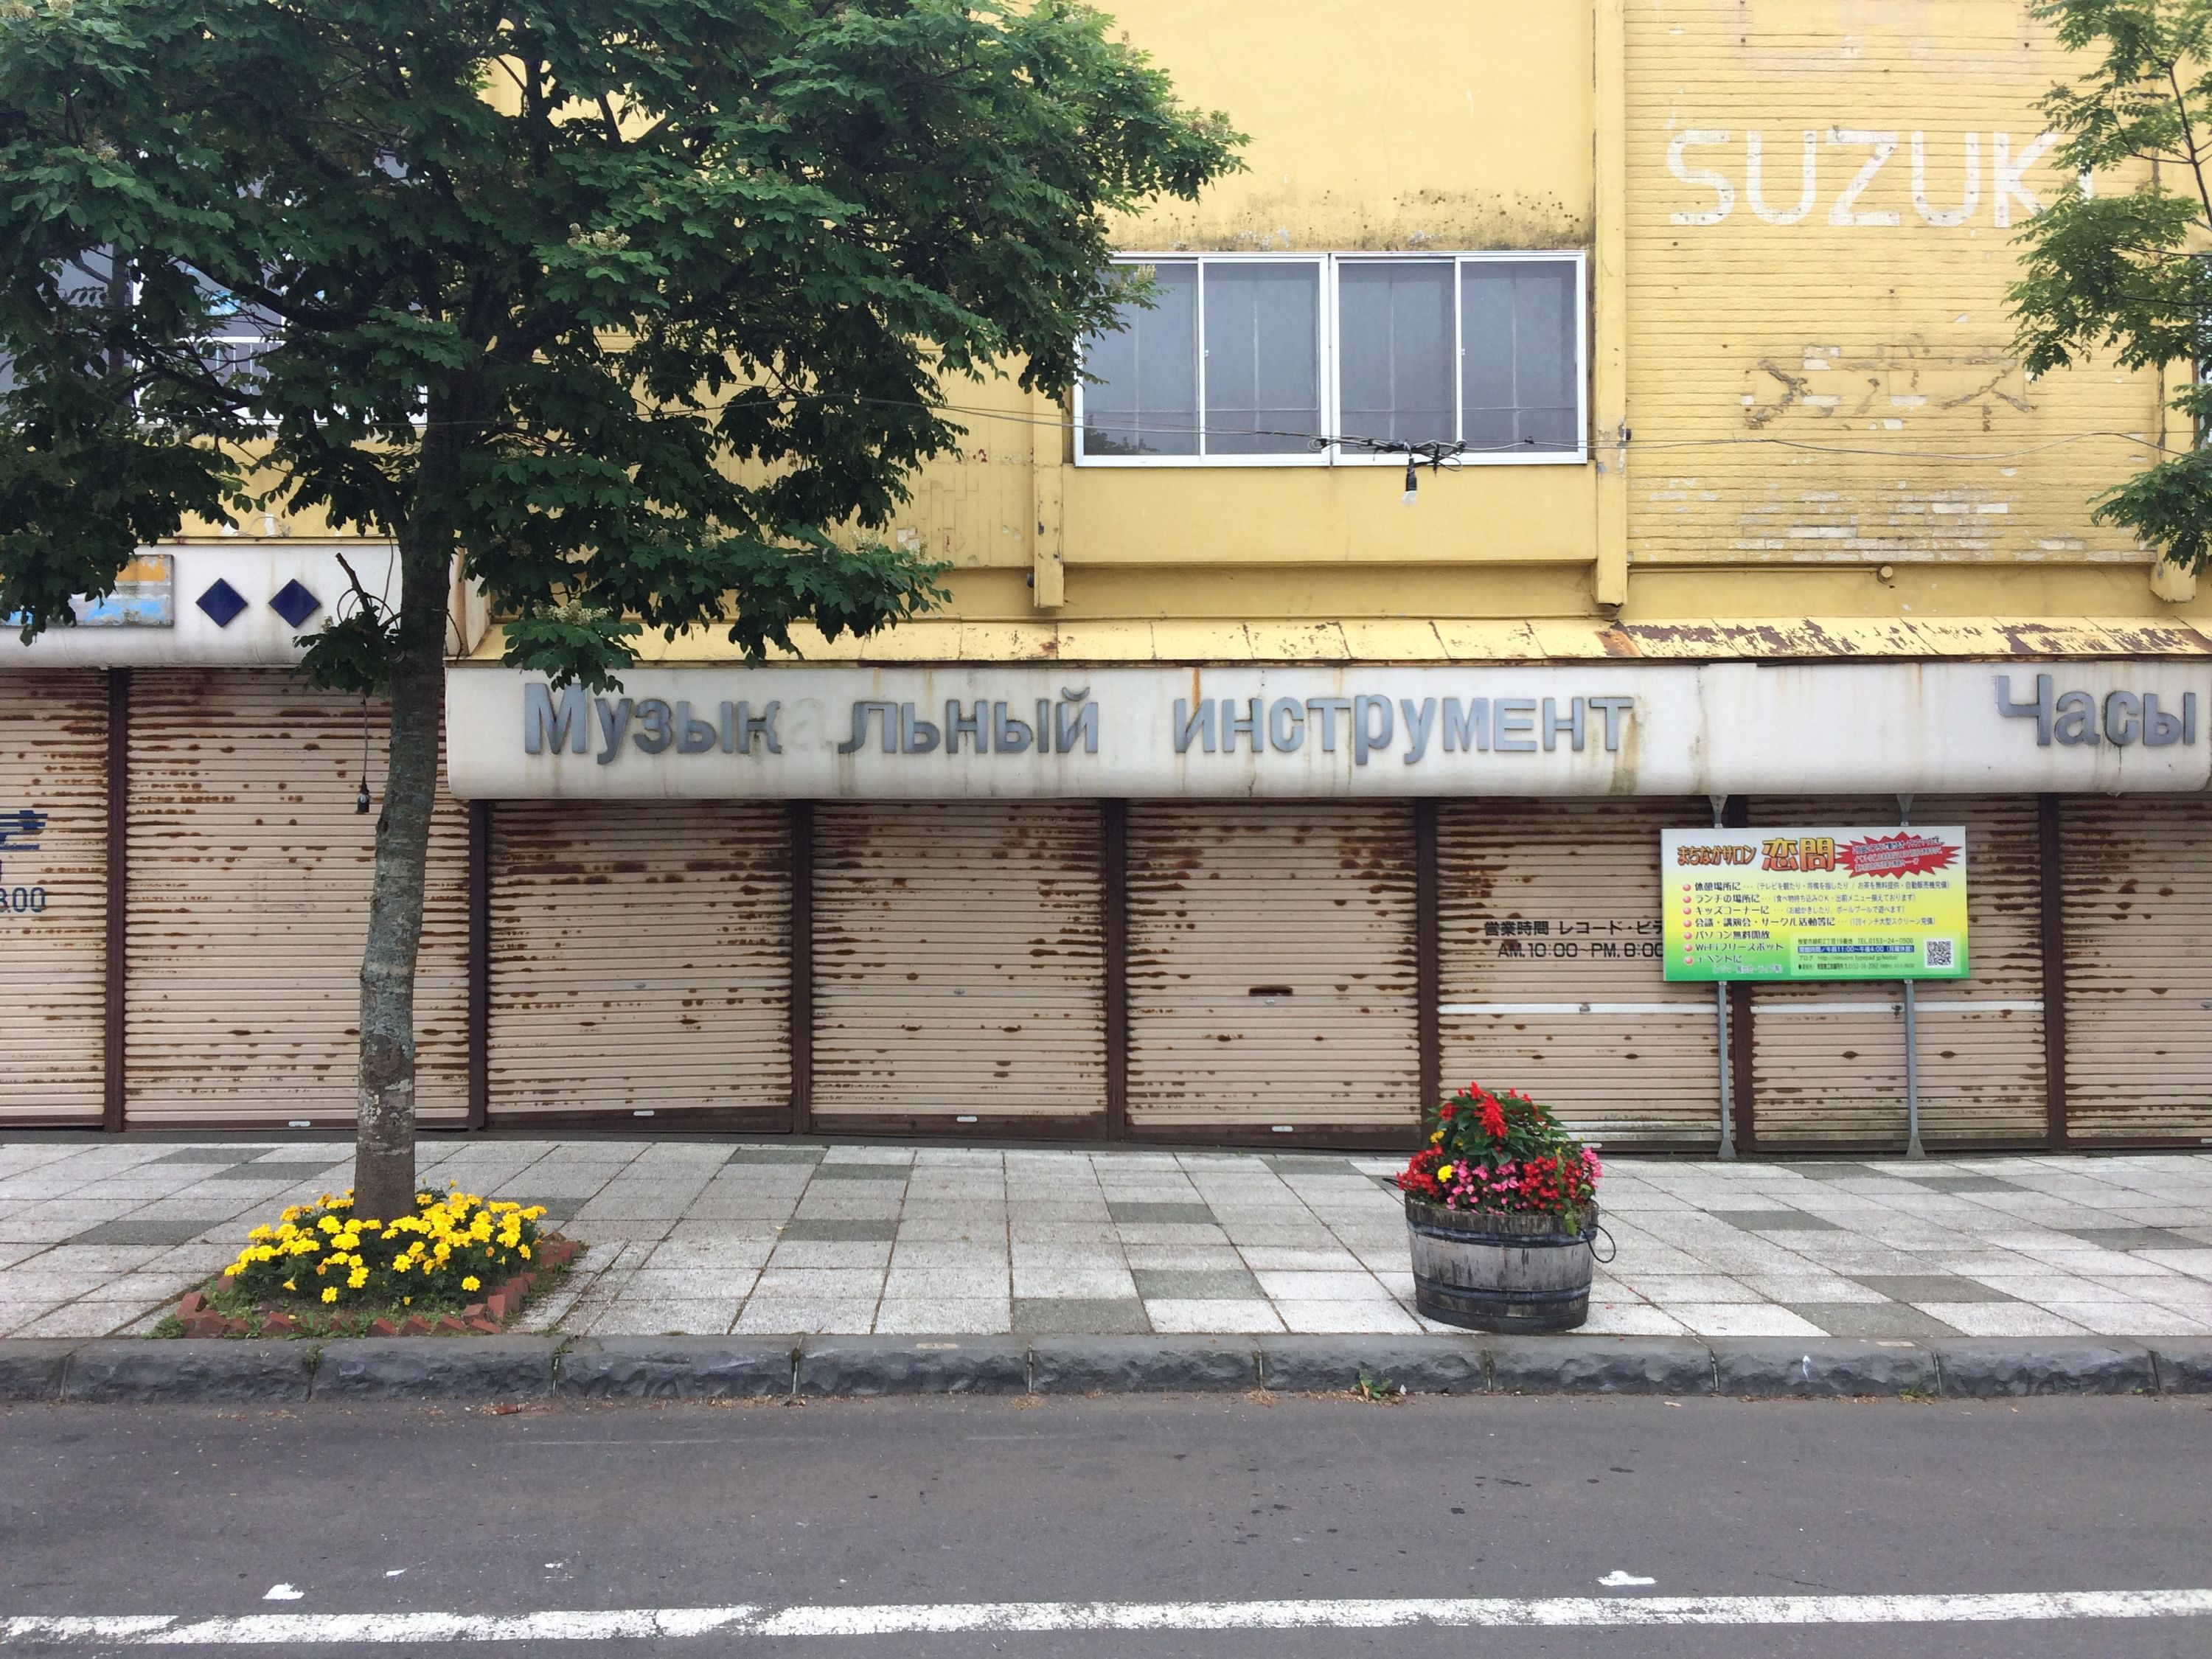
{"x":2138,"y":917}
{"x":959,"y":973}
{"x":53,"y":910}
{"x":640,"y":964}
{"x":1272,"y":969}
{"x":1829,"y":1059}
{"x":249,"y":903}
{"x":1553,"y":978}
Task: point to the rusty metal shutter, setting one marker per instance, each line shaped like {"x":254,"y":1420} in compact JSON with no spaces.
{"x":53,"y":896}
{"x":958,"y":963}
{"x":1828,"y":1061}
{"x":1553,"y":979}
{"x":2138,"y":907}
{"x":640,"y":958}
{"x":249,"y":906}
{"x":1271,"y":965}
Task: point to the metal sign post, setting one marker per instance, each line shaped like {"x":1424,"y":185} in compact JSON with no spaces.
{"x":1719,"y":804}
{"x":1912,"y":1146}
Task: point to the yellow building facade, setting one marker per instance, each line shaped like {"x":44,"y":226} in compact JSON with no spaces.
{"x":1241,"y":794}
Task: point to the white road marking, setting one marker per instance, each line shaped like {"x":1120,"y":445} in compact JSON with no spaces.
{"x":1620,"y":1578}
{"x":312,"y":1630}
{"x":283,"y":1593}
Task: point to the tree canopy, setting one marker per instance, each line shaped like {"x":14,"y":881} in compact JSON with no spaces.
{"x":2118,"y":263}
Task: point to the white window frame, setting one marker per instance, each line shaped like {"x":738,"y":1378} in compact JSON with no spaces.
{"x":1324,"y":357}
{"x":1328,"y":344}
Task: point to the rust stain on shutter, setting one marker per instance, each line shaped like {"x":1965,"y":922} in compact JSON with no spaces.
{"x":2138,"y":969}
{"x":958,"y":964}
{"x":249,"y":905}
{"x":1272,"y":964}
{"x":641,"y":957}
{"x":53,"y":765}
{"x":1554,"y":977}
{"x":1829,"y":1068}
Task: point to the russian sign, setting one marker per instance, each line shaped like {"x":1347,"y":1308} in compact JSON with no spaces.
{"x":1821,"y":903}
{"x":986,"y":730}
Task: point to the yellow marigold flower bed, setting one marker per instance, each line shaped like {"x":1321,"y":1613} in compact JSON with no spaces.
{"x":325,"y":1253}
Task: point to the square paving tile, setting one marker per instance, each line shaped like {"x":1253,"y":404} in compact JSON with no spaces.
{"x":777,"y":1316}
{"x":2000,"y":1319}
{"x":1140,"y":1210}
{"x":1202,"y":1315}
{"x":1079,"y":1316}
{"x":897,"y":1172}
{"x":984,"y":1316}
{"x":1932,"y":1287}
{"x":775,"y":1155}
{"x":178,"y":1229}
{"x":285,"y":1173}
{"x":1824,"y":1171}
{"x":1324,"y":1318}
{"x":1200,"y":1285}
{"x":841,"y":1230}
{"x":1964,"y":1183}
{"x":1740,"y":1319}
{"x":1774,"y":1221}
{"x":1872,"y":1319}
{"x":211,"y":1155}
{"x":2132,"y":1238}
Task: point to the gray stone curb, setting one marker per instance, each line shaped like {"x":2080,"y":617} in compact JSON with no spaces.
{"x":1142,"y":1365}
{"x":913,"y":1364}
{"x":675,"y":1368}
{"x":221,"y":1370}
{"x":436,"y":1367}
{"x":1837,"y":1368}
{"x":2184,"y":1364}
{"x":201,"y":1369}
{"x":1990,"y":1370}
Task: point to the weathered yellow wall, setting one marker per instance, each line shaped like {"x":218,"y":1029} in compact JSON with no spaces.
{"x":1823,"y":385}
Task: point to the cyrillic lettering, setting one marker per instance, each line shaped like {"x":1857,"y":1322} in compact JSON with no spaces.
{"x":693,"y":736}
{"x":1370,"y":727}
{"x":1073,"y":720}
{"x":762,"y":725}
{"x":2160,"y":729}
{"x":2040,"y":710}
{"x":658,"y":721}
{"x":546,"y":728}
{"x":2073,"y":719}
{"x":1510,"y":717}
{"x":1286,"y":725}
{"x":1613,"y":708}
{"x":1248,"y":723}
{"x":1420,"y":722}
{"x":1572,"y":725}
{"x":975,"y":726}
{"x":1044,"y":725}
{"x":916,"y":737}
{"x":613,"y":722}
{"x":2123,"y":718}
{"x":2189,"y":719}
{"x":1009,"y":737}
{"x":1190,"y":724}
{"x":886,"y":714}
{"x":1466,"y":726}
{"x":1328,"y":708}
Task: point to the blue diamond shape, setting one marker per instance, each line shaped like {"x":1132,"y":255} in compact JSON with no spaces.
{"x":294,"y":604}
{"x":223,"y":602}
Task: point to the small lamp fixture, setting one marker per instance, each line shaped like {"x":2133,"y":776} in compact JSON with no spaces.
{"x":360,"y":800}
{"x":1413,"y":494}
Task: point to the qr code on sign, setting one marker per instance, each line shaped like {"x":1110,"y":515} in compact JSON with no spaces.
{"x":1937,"y":952}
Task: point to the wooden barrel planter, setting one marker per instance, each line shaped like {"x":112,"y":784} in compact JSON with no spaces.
{"x":1500,"y":1273}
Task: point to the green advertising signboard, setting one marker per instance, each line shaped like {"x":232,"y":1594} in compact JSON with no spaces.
{"x":1819,"y":905}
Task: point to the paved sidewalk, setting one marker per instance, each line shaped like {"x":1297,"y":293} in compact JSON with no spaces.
{"x":701,"y":1236}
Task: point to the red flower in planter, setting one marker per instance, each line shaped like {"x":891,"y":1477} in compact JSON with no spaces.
{"x":1493,"y":1118}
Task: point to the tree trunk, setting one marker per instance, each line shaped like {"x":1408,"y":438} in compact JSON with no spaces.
{"x":383,"y":1154}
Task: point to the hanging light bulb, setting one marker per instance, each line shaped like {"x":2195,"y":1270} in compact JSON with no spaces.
{"x":360,"y":800}
{"x":1412,"y":484}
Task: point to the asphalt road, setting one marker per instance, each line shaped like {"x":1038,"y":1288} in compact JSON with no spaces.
{"x":195,"y":1512}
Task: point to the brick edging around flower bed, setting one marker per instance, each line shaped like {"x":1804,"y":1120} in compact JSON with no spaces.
{"x":485,"y":1317}
{"x":229,"y":1370}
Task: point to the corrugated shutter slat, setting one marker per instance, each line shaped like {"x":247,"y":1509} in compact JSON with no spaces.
{"x":249,"y":906}
{"x":1642,"y":1063}
{"x":641,"y":957}
{"x":53,"y":761}
{"x":1228,"y":900}
{"x":2138,"y":910}
{"x":958,"y":960}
